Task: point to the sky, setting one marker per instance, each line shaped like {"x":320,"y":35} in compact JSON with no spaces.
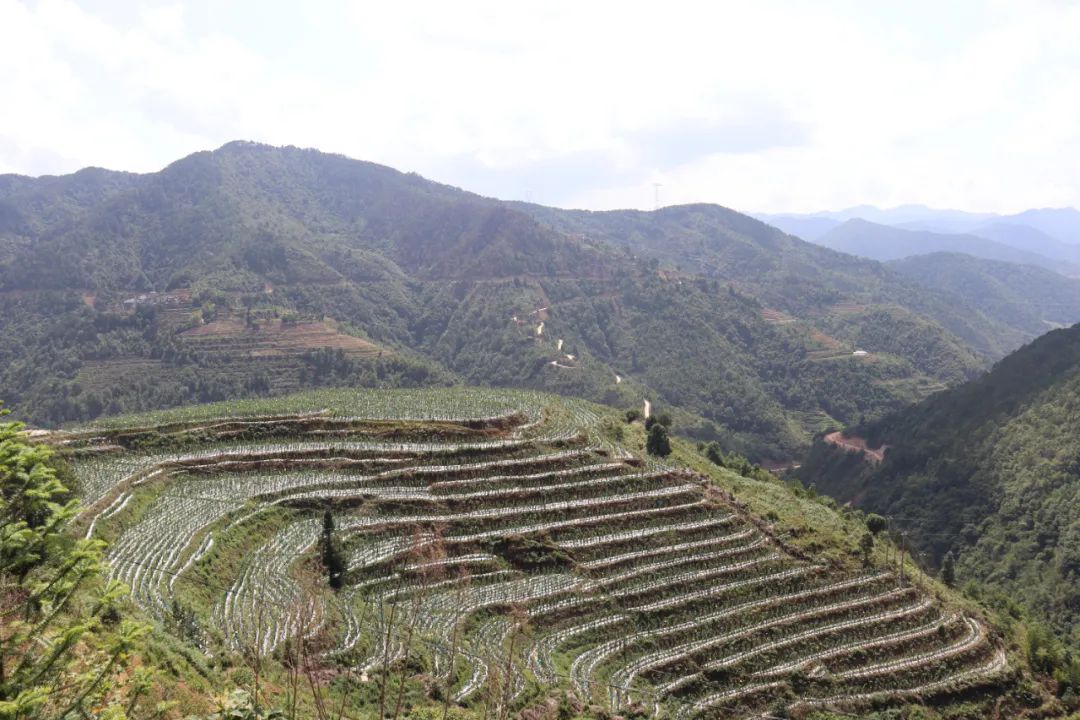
{"x":764,"y":106}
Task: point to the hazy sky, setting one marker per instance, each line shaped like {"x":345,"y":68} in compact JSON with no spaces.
{"x":767,"y":106}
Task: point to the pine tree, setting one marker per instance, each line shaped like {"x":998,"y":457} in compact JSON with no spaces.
{"x":658,"y":442}
{"x":866,"y":544}
{"x":948,"y":569}
{"x":332,"y":557}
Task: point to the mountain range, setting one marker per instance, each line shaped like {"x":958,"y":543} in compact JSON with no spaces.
{"x":259,"y":270}
{"x":886,"y":242}
{"x":1047,"y":237}
{"x":1062,"y":224}
{"x":253,"y":271}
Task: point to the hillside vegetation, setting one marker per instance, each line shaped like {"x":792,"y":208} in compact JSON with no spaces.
{"x":844,"y":297}
{"x":489,"y":553}
{"x":1029,"y":299}
{"x":257,"y":271}
{"x":987,"y":472}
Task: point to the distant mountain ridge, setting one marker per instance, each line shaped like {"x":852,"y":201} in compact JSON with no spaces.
{"x":1049,"y":232}
{"x":813,"y":287}
{"x":807,"y":227}
{"x":1060,"y":223}
{"x":1030,"y":239}
{"x":885,"y":242}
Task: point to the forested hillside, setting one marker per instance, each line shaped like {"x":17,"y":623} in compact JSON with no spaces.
{"x":1030,"y":300}
{"x":988,"y":472}
{"x":254,"y":270}
{"x":855,"y":300}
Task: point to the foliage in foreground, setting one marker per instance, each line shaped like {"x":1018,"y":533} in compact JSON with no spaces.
{"x":63,"y":642}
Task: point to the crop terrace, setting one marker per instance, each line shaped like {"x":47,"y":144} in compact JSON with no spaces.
{"x":512,"y":547}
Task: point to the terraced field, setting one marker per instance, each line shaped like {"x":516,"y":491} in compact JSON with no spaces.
{"x":273,"y":338}
{"x":512,"y":551}
{"x":230,"y":350}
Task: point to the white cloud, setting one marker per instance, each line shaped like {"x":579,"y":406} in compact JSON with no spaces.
{"x":760,"y":106}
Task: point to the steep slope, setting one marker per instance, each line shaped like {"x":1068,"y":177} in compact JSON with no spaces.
{"x":989,"y":470}
{"x":1029,"y":299}
{"x":260,"y":270}
{"x":883,"y":242}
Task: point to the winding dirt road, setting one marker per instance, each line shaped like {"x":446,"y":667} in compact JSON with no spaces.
{"x":854,"y":443}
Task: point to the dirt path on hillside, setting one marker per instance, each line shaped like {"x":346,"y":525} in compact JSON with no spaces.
{"x":779,"y":466}
{"x":854,"y":443}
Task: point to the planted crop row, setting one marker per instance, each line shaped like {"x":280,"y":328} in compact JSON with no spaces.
{"x":629,"y":576}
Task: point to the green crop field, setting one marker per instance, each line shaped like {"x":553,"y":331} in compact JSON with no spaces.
{"x":500,"y":543}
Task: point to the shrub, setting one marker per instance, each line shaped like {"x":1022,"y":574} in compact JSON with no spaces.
{"x":658,"y":442}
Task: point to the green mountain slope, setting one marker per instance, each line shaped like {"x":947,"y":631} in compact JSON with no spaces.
{"x":257,"y":270}
{"x":990,"y":471}
{"x":856,"y":301}
{"x":457,"y":548}
{"x":1029,"y":299}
